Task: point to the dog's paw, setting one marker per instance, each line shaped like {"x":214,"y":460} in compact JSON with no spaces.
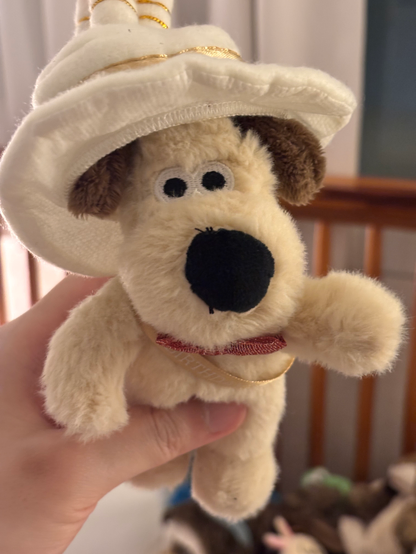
{"x":81,"y":395}
{"x":368,"y":327}
{"x":88,"y":413}
{"x":349,"y":323}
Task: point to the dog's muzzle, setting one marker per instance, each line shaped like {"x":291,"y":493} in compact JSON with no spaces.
{"x":229,"y":270}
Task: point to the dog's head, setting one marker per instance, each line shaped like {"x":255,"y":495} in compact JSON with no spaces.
{"x":209,"y":255}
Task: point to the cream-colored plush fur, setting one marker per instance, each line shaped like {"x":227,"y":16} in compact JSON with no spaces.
{"x":346,"y":322}
{"x":100,"y":361}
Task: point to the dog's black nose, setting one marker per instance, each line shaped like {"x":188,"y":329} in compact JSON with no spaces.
{"x":229,"y":270}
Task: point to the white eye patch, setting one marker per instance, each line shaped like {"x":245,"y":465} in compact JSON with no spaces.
{"x":175,"y":183}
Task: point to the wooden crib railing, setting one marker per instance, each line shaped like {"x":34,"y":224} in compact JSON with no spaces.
{"x":378,"y":204}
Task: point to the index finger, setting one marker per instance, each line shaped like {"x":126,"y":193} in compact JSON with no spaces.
{"x":24,"y":341}
{"x":37,"y":325}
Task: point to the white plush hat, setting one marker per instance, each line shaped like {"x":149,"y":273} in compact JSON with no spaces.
{"x":125,"y":75}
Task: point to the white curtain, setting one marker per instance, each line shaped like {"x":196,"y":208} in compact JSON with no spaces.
{"x":326,"y":34}
{"x":31,"y":32}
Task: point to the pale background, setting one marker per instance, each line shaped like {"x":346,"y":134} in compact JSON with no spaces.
{"x":326,"y":34}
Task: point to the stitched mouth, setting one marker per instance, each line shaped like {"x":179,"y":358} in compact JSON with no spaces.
{"x":268,"y":344}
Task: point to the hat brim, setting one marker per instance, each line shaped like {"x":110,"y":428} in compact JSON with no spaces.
{"x":62,"y":138}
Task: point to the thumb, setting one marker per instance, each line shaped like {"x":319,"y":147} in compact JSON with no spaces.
{"x":154,"y":437}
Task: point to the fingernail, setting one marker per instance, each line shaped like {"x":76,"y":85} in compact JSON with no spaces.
{"x":223,"y":417}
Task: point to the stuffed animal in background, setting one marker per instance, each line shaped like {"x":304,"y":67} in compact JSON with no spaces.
{"x":288,"y":542}
{"x":159,"y":157}
{"x":316,"y":508}
{"x":393,"y":529}
{"x":327,"y":513}
{"x":188,"y":529}
{"x":313,"y":509}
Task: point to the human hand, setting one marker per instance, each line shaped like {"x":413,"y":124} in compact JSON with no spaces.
{"x":49,"y":482}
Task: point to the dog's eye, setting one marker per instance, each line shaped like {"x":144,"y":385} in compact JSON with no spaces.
{"x":175,"y":187}
{"x":215,"y":176}
{"x":172,"y":184}
{"x":213,"y":180}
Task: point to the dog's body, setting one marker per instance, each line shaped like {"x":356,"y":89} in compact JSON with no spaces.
{"x":100,"y":360}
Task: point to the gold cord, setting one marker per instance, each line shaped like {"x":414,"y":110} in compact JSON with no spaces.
{"x":212,"y":52}
{"x":154,"y":3}
{"x":125,"y":2}
{"x":144,"y":61}
{"x":86,"y":18}
{"x":156,"y":19}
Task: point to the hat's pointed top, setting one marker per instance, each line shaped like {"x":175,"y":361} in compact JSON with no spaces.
{"x":82,"y":16}
{"x":155,"y":13}
{"x":103,"y":12}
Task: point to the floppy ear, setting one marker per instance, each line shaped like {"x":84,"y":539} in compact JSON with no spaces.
{"x":298,"y":158}
{"x":99,"y":190}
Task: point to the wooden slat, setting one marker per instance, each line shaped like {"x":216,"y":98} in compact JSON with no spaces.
{"x":364,"y":200}
{"x":2,"y":295}
{"x":410,"y":410}
{"x":34,"y":278}
{"x":2,"y":292}
{"x":382,"y":187}
{"x":372,"y":268}
{"x":317,"y":425}
{"x":322,"y":248}
{"x":354,"y":211}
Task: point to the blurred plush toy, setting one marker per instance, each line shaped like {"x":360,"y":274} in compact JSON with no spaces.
{"x":190,"y":530}
{"x":288,"y":542}
{"x":159,"y":157}
{"x":314,"y":508}
{"x":393,"y":529}
{"x":372,"y":518}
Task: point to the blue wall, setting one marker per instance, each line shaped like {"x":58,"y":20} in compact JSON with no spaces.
{"x":389,"y":132}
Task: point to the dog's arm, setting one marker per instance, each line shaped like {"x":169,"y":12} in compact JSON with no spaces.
{"x":88,"y":357}
{"x":346,"y":322}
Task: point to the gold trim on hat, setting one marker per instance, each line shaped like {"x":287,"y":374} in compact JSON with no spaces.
{"x":155,"y":4}
{"x":125,"y":2}
{"x":83,"y":19}
{"x":152,"y":59}
{"x":156,"y":19}
{"x":212,"y":52}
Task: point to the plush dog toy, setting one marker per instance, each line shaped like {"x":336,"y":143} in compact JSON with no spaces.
{"x":159,"y":157}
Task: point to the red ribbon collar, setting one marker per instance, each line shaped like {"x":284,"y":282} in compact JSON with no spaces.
{"x":268,"y":344}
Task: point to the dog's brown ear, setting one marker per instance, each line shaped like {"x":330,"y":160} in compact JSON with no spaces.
{"x":297,"y":155}
{"x":99,"y":190}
